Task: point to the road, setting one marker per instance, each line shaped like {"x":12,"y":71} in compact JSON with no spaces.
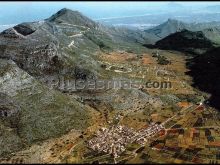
{"x":74,"y":35}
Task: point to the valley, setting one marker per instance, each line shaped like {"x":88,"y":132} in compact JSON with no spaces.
{"x":149,"y":108}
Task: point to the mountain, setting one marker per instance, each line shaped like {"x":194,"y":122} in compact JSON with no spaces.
{"x":72,"y":17}
{"x":35,"y":54}
{"x":187,"y":41}
{"x":30,"y":111}
{"x":44,"y":119}
{"x":167,"y":28}
{"x":212,"y":34}
{"x":172,"y":26}
{"x":64,"y":44}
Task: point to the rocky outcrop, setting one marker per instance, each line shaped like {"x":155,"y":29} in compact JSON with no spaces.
{"x":24,"y":29}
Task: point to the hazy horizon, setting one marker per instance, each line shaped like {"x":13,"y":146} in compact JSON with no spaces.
{"x":18,"y":12}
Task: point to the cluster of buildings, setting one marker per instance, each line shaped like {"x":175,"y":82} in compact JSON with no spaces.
{"x":113,"y":140}
{"x":148,"y":132}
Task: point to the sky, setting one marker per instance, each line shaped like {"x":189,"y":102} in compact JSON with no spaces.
{"x":12,"y":13}
{"x":17,"y":12}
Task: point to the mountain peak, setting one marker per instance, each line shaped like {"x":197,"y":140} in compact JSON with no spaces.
{"x":168,"y":27}
{"x":171,"y":20}
{"x":63,"y":13}
{"x":71,"y":17}
{"x":64,"y":10}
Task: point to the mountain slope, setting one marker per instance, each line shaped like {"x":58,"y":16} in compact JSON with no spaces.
{"x":31,"y":112}
{"x":167,"y":28}
{"x":72,"y":17}
{"x":212,"y":34}
{"x":64,"y":45}
{"x":187,"y":41}
{"x":65,"y":41}
{"x":172,"y":26}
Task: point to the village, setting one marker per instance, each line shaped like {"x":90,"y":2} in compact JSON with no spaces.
{"x":113,"y":140}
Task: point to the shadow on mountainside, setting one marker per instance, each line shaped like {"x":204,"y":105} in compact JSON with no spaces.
{"x":205,"y":70}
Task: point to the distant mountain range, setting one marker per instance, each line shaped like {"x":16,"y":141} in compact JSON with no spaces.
{"x":167,"y":28}
{"x":173,"y":26}
{"x":190,"y":37}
